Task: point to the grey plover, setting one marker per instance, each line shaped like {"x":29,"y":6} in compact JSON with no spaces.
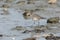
{"x":36,"y":17}
{"x":31,"y":15}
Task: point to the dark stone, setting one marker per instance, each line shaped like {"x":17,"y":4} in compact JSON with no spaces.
{"x":53,"y":20}
{"x":1,"y":35}
{"x":52,"y":37}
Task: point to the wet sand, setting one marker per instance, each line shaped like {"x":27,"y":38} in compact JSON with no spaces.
{"x":15,"y":18}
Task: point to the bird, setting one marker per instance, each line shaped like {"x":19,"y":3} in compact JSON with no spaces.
{"x":52,"y":1}
{"x":36,"y":17}
{"x":33,"y":16}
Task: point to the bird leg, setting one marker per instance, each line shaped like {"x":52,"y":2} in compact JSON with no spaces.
{"x":38,"y":23}
{"x":34,"y":21}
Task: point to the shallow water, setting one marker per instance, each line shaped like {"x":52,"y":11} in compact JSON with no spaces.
{"x":15,"y":18}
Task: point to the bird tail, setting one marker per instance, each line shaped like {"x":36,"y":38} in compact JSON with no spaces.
{"x":43,"y":18}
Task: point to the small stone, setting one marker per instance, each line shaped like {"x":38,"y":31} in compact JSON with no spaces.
{"x":30,"y":39}
{"x":20,"y":3}
{"x":9,"y":1}
{"x":52,"y":1}
{"x":19,"y":27}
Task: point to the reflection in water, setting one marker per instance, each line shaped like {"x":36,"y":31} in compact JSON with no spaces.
{"x":13,"y":38}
